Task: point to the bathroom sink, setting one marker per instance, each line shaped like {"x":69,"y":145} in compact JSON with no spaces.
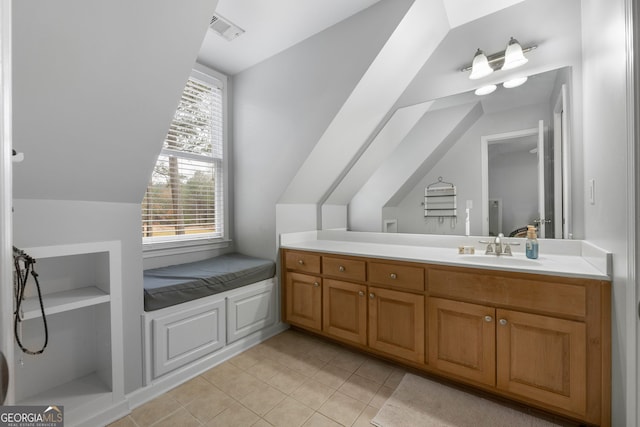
{"x":502,"y":260}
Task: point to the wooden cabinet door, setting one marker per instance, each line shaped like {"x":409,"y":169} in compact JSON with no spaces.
{"x":396,"y":323}
{"x":344,"y":310}
{"x":303,"y":300}
{"x":462,"y":339}
{"x":542,"y":358}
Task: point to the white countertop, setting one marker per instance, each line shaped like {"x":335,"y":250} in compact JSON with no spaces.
{"x":565,"y":258}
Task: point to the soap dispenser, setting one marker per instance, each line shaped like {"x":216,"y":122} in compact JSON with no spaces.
{"x":531,"y":247}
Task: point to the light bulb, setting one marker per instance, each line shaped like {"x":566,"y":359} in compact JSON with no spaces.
{"x":518,"y":81}
{"x":485,"y":90}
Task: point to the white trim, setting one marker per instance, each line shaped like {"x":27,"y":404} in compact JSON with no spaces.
{"x":186,"y":155}
{"x":178,"y":247}
{"x":226,"y":88}
{"x":567,"y":227}
{"x":154,"y":247}
{"x":6,"y":195}
{"x":633,"y":241}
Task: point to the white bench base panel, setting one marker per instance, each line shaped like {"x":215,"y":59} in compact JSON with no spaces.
{"x":179,"y":335}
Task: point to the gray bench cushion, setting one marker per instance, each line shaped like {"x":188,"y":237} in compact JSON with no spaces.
{"x":175,"y":284}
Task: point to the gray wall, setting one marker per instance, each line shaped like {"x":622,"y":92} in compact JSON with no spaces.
{"x":282,"y":107}
{"x":606,"y":159}
{"x":520,"y":201}
{"x":94,"y":92}
{"x":95,"y":86}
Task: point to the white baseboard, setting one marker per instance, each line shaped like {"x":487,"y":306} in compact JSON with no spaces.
{"x":111,"y":414}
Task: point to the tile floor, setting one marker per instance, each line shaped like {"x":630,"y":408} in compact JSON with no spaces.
{"x":291,"y":379}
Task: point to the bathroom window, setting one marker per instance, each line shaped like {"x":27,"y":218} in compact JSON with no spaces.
{"x":185,"y":197}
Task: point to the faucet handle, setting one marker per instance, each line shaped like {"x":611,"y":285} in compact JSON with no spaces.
{"x":507,"y":249}
{"x":489,"y":249}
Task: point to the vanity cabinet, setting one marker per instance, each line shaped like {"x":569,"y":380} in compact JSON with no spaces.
{"x":540,"y":340}
{"x":533,"y":356}
{"x":303,"y":290}
{"x":396,"y":323}
{"x":462,"y":339}
{"x":303,"y":300}
{"x":384,"y":317}
{"x":543,"y":358}
{"x":344,"y":307}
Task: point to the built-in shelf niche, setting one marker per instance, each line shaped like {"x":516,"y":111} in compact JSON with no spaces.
{"x":82,"y":366}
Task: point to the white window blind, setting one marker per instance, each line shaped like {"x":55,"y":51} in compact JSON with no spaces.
{"x":184,"y":199}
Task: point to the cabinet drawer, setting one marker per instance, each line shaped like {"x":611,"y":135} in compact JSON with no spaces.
{"x":567,"y":299}
{"x":302,"y":261}
{"x":344,"y":268}
{"x":397,"y":275}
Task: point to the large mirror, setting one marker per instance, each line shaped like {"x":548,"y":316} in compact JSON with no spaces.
{"x":506,"y":154}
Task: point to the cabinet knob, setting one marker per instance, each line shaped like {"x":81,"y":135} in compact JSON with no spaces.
{"x":361,"y":293}
{"x":393,"y":276}
{"x":316,"y":284}
{"x":372,"y":295}
{"x":488,"y":319}
{"x":301,"y":262}
{"x":503,"y":322}
{"x":341,"y":268}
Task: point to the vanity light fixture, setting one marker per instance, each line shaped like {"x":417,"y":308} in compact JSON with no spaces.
{"x":485,"y":90}
{"x":512,"y":57}
{"x":518,"y":81}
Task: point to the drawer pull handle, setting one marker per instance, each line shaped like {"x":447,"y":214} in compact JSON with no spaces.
{"x":341,"y":268}
{"x":503,"y":322}
{"x":361,"y":293}
{"x":488,"y":319}
{"x":316,"y":284}
{"x":393,"y":276}
{"x":372,"y":295}
{"x":301,"y":262}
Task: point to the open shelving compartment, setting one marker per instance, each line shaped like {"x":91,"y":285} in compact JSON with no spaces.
{"x":82,"y":366}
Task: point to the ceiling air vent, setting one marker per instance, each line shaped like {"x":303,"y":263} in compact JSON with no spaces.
{"x":224,"y":27}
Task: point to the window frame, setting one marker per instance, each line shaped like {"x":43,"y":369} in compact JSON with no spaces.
{"x":195,"y":243}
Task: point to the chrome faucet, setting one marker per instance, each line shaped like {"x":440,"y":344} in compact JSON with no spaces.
{"x":499,"y":246}
{"x":497,"y":243}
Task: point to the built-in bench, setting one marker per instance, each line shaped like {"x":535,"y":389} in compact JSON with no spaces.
{"x":175,"y":284}
{"x":195,"y":309}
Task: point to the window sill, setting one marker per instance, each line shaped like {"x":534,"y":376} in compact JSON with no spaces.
{"x":157,"y":249}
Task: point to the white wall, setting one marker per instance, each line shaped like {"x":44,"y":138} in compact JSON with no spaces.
{"x":606,"y":160}
{"x":95,"y":87}
{"x":96,"y":84}
{"x":59,"y":222}
{"x":415,"y":38}
{"x":553,"y":25}
{"x":282,"y":107}
{"x":6,"y":224}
